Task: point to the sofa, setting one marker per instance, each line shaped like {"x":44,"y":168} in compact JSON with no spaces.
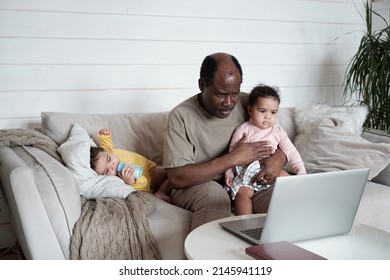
{"x":43,"y":196}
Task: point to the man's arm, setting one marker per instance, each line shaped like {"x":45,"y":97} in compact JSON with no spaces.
{"x":193,"y":174}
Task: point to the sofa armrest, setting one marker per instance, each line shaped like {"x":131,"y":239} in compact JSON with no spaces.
{"x":20,"y":190}
{"x":43,"y":201}
{"x":378,"y":136}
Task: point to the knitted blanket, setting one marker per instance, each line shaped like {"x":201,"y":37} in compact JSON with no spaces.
{"x":114,"y":229}
{"x":108,"y":228}
{"x":28,"y":137}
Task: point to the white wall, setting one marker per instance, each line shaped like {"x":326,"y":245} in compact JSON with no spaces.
{"x":114,"y":56}
{"x":383,"y":9}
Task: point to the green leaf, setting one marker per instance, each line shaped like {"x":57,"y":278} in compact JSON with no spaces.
{"x":367,"y":77}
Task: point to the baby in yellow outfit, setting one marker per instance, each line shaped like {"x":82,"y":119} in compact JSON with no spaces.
{"x":105,"y":160}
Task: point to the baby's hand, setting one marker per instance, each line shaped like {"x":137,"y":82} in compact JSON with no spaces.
{"x":104,"y":131}
{"x":127,"y":175}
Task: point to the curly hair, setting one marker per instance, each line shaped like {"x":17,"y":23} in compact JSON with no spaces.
{"x":262,"y":90}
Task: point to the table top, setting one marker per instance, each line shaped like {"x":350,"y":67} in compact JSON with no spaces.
{"x":211,"y":242}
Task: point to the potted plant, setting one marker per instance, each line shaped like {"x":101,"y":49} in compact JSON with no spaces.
{"x":367,"y":77}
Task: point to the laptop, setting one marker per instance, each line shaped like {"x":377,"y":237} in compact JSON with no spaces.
{"x":304,"y":207}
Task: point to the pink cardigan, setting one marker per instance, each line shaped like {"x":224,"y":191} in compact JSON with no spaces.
{"x":277,"y":138}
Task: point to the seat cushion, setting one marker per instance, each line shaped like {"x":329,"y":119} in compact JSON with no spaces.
{"x":170,"y":226}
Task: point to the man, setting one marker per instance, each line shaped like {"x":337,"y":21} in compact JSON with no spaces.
{"x":197,"y":138}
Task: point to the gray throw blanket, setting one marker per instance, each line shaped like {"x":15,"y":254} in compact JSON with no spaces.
{"x":114,"y":229}
{"x":27,"y":137}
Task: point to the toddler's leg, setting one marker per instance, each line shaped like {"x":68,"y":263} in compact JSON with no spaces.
{"x":160,"y":184}
{"x":163,"y":191}
{"x":243,"y":201}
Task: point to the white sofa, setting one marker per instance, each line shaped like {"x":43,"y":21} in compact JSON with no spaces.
{"x":44,"y":202}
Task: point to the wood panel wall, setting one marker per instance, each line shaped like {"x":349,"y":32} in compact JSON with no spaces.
{"x":116,"y":56}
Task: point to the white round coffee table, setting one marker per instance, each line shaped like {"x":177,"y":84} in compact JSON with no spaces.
{"x":211,"y":242}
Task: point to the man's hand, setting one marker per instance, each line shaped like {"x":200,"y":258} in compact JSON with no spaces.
{"x":245,"y":153}
{"x":271,"y":168}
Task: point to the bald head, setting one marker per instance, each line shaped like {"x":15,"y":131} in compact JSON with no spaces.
{"x":229,"y":64}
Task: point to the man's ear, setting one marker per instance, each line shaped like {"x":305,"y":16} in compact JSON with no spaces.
{"x":201,"y":84}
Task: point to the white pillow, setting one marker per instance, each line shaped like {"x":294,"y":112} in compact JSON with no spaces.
{"x":75,"y":152}
{"x":309,"y":116}
{"x":329,"y":147}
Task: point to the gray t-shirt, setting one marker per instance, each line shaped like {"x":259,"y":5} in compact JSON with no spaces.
{"x":193,"y":135}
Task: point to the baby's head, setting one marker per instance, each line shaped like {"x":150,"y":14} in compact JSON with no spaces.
{"x":263,"y":91}
{"x":263,"y":106}
{"x":103,"y":162}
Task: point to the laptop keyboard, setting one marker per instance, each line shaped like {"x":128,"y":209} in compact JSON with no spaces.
{"x":255,"y":233}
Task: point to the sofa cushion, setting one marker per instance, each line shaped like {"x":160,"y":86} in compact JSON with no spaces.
{"x":374,"y":207}
{"x":170,"y":226}
{"x":309,"y":116}
{"x":287,"y":121}
{"x":329,"y":147}
{"x":379,"y":136}
{"x":139,"y":132}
